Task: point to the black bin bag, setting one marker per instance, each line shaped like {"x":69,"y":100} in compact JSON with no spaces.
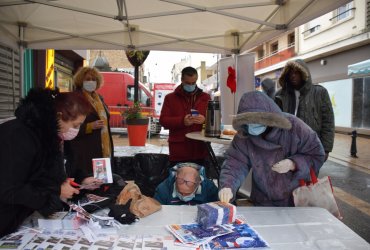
{"x":150,"y":170}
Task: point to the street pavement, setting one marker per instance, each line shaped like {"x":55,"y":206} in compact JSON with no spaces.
{"x":350,"y":177}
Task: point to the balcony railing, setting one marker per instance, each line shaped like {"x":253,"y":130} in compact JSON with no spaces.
{"x":342,"y":15}
{"x":277,"y":57}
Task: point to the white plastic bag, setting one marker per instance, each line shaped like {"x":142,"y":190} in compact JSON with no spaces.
{"x":319,"y":193}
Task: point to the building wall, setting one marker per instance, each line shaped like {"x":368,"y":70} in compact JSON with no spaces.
{"x":336,"y":66}
{"x":116,"y":58}
{"x":331,"y":33}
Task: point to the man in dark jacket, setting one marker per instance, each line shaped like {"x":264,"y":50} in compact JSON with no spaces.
{"x":176,"y":116}
{"x":311,"y":103}
{"x":186,"y":185}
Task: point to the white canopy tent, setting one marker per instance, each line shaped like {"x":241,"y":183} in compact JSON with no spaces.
{"x":216,"y":26}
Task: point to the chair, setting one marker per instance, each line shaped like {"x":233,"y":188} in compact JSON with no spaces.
{"x":149,"y":171}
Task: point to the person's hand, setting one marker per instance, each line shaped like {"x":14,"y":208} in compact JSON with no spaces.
{"x":91,"y":183}
{"x":67,"y":191}
{"x":225,"y":194}
{"x":188,"y":121}
{"x":98,"y":124}
{"x":283,"y":166}
{"x":199,"y":119}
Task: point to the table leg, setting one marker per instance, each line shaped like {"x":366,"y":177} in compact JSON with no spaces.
{"x":213,"y":159}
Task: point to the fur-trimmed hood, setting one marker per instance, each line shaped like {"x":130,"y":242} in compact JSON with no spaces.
{"x":257,"y":108}
{"x":300,"y":66}
{"x":37,"y":111}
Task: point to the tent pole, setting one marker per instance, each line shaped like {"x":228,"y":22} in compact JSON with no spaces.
{"x":136,"y":84}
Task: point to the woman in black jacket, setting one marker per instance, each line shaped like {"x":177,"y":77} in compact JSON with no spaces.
{"x":31,"y":158}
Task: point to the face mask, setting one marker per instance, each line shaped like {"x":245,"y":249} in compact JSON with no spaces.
{"x":185,"y":198}
{"x":70,"y":134}
{"x":254,"y":129}
{"x":188,"y":87}
{"x":89,"y":86}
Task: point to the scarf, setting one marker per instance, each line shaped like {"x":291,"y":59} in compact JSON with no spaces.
{"x":97,"y":103}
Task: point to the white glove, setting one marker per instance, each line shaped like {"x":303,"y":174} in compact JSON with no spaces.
{"x":225,"y":194}
{"x":283,"y":166}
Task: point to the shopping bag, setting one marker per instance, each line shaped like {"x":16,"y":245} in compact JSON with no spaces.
{"x":317,"y":193}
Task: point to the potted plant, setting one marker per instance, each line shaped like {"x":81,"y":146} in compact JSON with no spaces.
{"x":137,"y":125}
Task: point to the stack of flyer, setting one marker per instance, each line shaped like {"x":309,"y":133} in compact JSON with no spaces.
{"x":227,"y":236}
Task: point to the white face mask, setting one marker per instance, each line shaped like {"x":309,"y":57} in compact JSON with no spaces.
{"x":70,"y":134}
{"x":89,"y":86}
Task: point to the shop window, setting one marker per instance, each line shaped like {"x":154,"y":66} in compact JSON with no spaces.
{"x":361,"y":103}
{"x":63,"y":76}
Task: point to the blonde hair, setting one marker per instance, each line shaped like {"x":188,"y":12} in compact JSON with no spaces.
{"x":82,"y":72}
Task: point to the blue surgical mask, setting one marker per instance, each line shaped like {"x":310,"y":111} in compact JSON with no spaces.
{"x":189,"y":87}
{"x":185,"y":198}
{"x":254,"y":129}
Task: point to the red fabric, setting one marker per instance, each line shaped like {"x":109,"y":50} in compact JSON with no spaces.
{"x":176,"y":105}
{"x":231,"y":79}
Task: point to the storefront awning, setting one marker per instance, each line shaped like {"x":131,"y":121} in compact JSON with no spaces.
{"x":359,"y":69}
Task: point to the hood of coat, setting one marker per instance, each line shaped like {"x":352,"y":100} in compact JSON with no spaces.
{"x":300,"y":66}
{"x":257,"y":108}
{"x":268,"y":86}
{"x":37,"y":112}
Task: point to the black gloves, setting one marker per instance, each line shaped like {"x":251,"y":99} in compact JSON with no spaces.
{"x":122,"y":213}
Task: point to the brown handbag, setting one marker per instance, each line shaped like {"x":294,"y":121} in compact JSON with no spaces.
{"x":141,"y":205}
{"x":145,"y":206}
{"x":130,"y":191}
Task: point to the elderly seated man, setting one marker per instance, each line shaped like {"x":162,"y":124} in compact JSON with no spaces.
{"x":186,"y":185}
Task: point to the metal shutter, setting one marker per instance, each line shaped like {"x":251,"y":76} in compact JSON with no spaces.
{"x":9,"y":80}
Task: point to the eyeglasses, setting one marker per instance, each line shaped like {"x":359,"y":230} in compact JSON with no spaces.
{"x":187,"y":183}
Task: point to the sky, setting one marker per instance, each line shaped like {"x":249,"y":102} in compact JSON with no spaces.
{"x":159,"y":63}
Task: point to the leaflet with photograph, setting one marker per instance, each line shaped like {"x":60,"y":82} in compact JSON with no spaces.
{"x":194,"y":233}
{"x":53,"y":221}
{"x":157,"y":242}
{"x":99,"y":244}
{"x":90,"y":199}
{"x":186,"y":246}
{"x":66,"y":243}
{"x":17,"y":240}
{"x":242,"y":236}
{"x":138,"y":243}
{"x":102,"y":169}
{"x":125,"y":242}
{"x":82,"y":244}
